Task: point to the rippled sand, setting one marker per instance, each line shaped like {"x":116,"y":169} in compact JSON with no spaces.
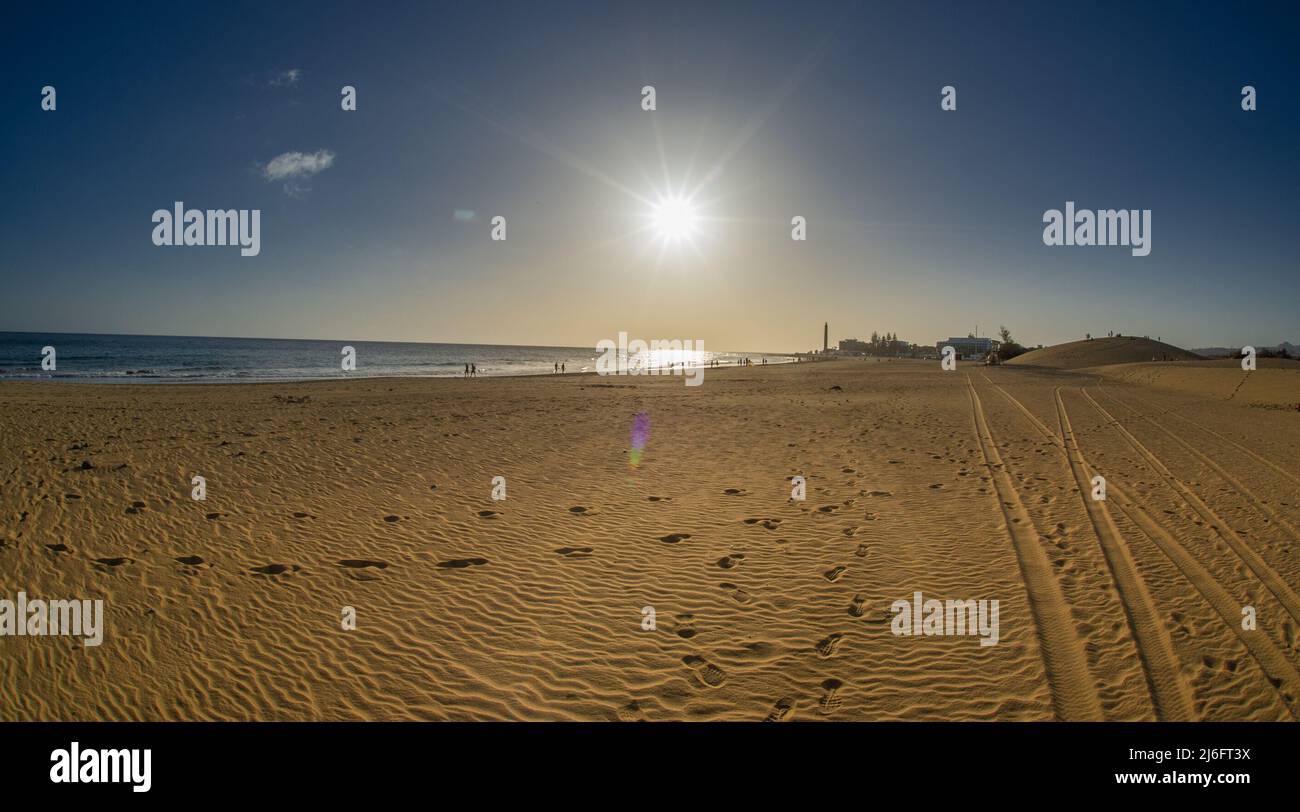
{"x":376,"y":494}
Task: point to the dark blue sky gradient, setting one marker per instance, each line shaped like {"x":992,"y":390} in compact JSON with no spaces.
{"x":921,"y":222}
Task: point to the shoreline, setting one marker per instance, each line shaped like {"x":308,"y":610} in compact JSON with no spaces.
{"x":510,"y":376}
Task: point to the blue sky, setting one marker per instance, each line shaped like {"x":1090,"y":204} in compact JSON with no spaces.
{"x":920,"y":222}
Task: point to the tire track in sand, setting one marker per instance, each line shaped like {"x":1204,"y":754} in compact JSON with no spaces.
{"x":1266,"y":574}
{"x":1074,"y":694}
{"x":1245,"y":450}
{"x":1170,"y":695}
{"x":1259,"y":505}
{"x":1278,"y":670}
{"x":1169,"y":692}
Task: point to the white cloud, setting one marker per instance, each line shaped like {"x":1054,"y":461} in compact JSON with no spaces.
{"x":291,"y":165}
{"x":295,"y":167}
{"x":286,"y":78}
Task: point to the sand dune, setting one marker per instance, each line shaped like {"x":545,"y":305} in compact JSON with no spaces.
{"x":1102,"y":351}
{"x":1273,"y":384}
{"x":376,"y":494}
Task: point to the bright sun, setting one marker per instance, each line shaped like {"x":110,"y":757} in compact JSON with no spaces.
{"x":674,"y":218}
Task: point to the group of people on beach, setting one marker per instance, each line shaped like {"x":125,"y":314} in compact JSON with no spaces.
{"x":740,"y":362}
{"x":471,"y":370}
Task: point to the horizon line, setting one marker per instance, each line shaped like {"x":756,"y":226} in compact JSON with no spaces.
{"x":365,"y":340}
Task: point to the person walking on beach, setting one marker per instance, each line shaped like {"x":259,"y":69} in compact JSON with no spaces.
{"x":562,"y":368}
{"x":557,"y":366}
{"x":467,"y":370}
{"x":473,"y":370}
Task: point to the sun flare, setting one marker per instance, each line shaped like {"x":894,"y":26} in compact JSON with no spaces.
{"x":675,"y":218}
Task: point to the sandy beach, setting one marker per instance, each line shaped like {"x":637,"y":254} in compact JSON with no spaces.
{"x":377,"y":495}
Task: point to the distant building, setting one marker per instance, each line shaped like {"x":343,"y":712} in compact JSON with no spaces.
{"x":852,"y":346}
{"x":969,"y":348}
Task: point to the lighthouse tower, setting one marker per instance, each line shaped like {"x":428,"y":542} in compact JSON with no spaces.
{"x":826,"y":336}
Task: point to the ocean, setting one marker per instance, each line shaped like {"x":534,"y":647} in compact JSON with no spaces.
{"x":142,"y":359}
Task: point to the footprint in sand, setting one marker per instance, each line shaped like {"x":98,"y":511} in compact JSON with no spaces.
{"x":827,"y":645}
{"x":673,"y":538}
{"x":830,"y":701}
{"x":856,"y":606}
{"x":684,"y":626}
{"x":828,"y":508}
{"x":738,"y":595}
{"x":488,"y":514}
{"x":734,"y":491}
{"x":706,"y":672}
{"x":192,"y":561}
{"x":136,"y":507}
{"x":392,"y":518}
{"x":362,"y":563}
{"x":631,"y":712}
{"x":114,"y":562}
{"x":303,"y":515}
{"x":833,"y":574}
{"x":729,"y":561}
{"x":462,"y":563}
{"x":770,"y":524}
{"x":783,"y":708}
{"x":575,"y":552}
{"x":861,"y":552}
{"x":58,"y":548}
{"x":276,"y":569}
{"x":359,"y":569}
{"x":212,"y":517}
{"x":659,"y":499}
{"x":879,"y":493}
{"x":579,"y":510}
